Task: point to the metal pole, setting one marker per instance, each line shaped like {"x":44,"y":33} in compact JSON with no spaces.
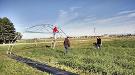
{"x":94,"y":31}
{"x":54,"y":40}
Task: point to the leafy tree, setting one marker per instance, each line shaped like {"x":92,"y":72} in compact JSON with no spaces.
{"x":7,"y":30}
{"x":19,"y":36}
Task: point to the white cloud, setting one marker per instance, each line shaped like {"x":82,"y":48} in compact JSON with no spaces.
{"x":131,"y":15}
{"x":126,"y":12}
{"x":35,"y":35}
{"x":89,"y":18}
{"x":112,"y":20}
{"x":74,"y":23}
{"x":66,"y":16}
{"x":118,"y":20}
{"x":62,"y":13}
{"x":124,"y":23}
{"x":74,"y":8}
{"x":116,"y":29}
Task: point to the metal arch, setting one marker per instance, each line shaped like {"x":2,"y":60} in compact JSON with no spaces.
{"x":40,"y":25}
{"x":46,"y":26}
{"x":10,"y":48}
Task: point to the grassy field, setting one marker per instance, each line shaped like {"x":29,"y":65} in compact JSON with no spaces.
{"x":116,"y":57}
{"x":11,"y":67}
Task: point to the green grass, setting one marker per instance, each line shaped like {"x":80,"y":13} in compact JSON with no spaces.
{"x":116,"y":56}
{"x":11,"y":67}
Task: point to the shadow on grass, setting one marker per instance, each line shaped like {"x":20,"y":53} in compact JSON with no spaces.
{"x":40,"y":66}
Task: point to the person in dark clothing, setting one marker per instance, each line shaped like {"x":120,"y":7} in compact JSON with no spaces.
{"x":98,"y":42}
{"x":66,"y":44}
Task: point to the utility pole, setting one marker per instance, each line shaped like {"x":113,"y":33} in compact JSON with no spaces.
{"x":94,"y":31}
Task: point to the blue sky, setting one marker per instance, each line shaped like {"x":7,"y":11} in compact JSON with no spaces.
{"x":75,"y":17}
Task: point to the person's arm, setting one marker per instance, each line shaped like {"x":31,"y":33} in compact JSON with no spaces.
{"x":64,"y":42}
{"x":101,"y":42}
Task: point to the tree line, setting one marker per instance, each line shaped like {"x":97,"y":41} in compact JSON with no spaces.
{"x":8,"y":32}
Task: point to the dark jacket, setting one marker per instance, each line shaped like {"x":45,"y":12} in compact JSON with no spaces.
{"x":66,"y":42}
{"x":98,"y":41}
